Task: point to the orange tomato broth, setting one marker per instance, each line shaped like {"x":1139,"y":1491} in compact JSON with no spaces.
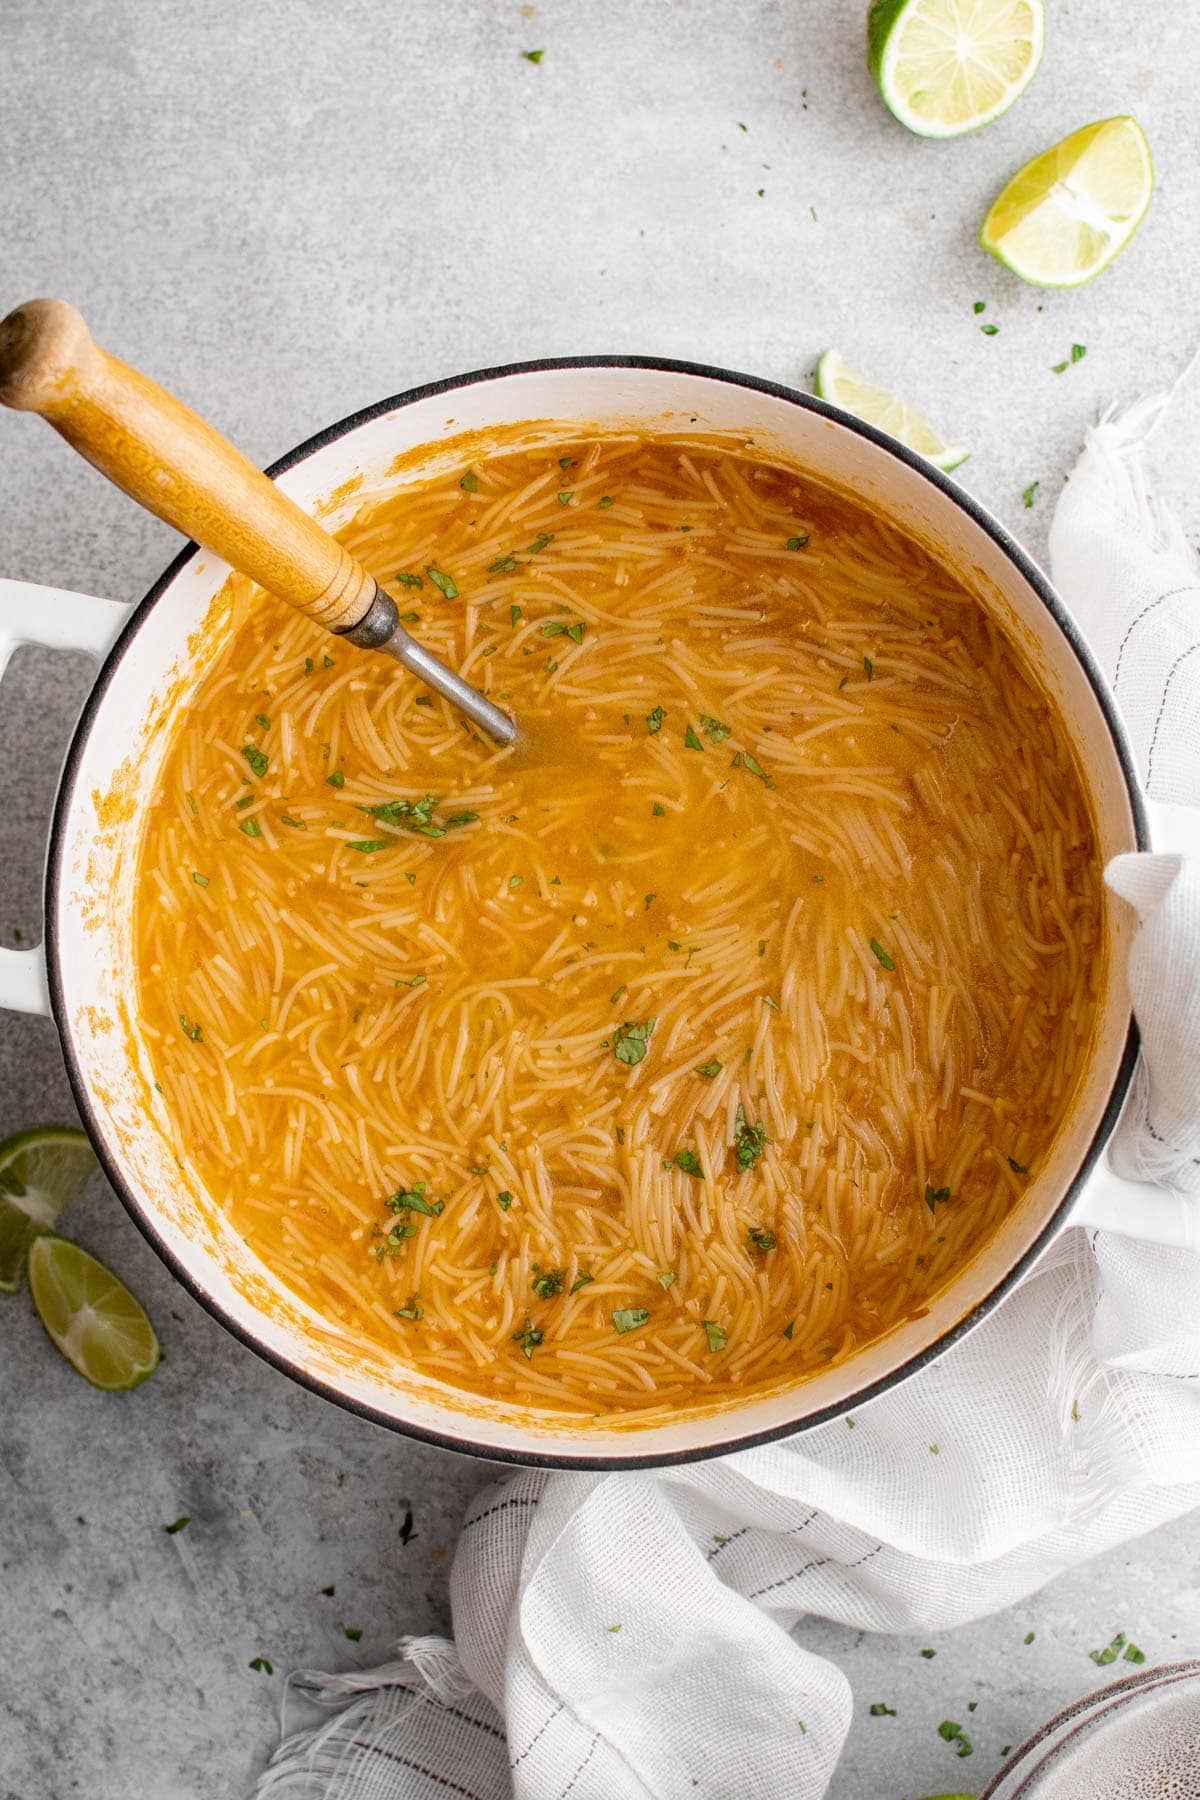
{"x":689,"y":1045}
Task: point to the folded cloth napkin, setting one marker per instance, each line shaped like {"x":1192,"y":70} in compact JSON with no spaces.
{"x":642,"y":1635}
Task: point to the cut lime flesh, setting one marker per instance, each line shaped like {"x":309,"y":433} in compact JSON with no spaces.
{"x":1064,"y":217}
{"x":91,"y":1316}
{"x":40,"y":1171}
{"x":837,"y":382}
{"x":945,"y":67}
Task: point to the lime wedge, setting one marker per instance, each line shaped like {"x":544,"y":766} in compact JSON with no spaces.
{"x":845,"y":387}
{"x":40,"y":1171}
{"x":90,"y":1316}
{"x":949,"y":66}
{"x":1065,"y":215}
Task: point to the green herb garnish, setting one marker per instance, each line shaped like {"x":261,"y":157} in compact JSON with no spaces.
{"x":935,"y":1197}
{"x":869,"y":666}
{"x":630,"y":1040}
{"x":336,"y":780}
{"x":443,"y":581}
{"x":255,"y":757}
{"x":564,"y":498}
{"x":410,"y":581}
{"x":180,"y":1524}
{"x":606,"y":500}
{"x":369,"y":846}
{"x":980,"y":306}
{"x":630,"y":1318}
{"x":689,"y":1162}
{"x":353,"y":1633}
{"x":654,"y":721}
{"x":1110,"y":1652}
{"x":413,"y":1310}
{"x":581,"y":1280}
{"x":1029,"y":494}
{"x":691,"y":740}
{"x":1078,"y":352}
{"x":547,"y":1283}
{"x":251,"y":827}
{"x":540,"y":542}
{"x":798,"y":543}
{"x":710,"y":1070}
{"x":503,"y":565}
{"x":882,"y":955}
{"x":879,"y":1711}
{"x":713,"y":729}
{"x":989,"y":330}
{"x":756,"y":768}
{"x":199,"y":879}
{"x":529,"y":1337}
{"x":668,"y":1278}
{"x":1016,"y":1167}
{"x":761,"y":1239}
{"x":262,"y":1665}
{"x":716,"y":1335}
{"x":504,"y":1200}
{"x":413,"y":1199}
{"x":191,"y":1030}
{"x":533,"y":56}
{"x":470,"y":482}
{"x":749,"y":1141}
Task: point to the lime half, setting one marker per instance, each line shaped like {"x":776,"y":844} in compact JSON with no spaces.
{"x":949,"y":66}
{"x":40,"y":1171}
{"x":845,"y":387}
{"x":90,"y":1316}
{"x":1065,"y":215}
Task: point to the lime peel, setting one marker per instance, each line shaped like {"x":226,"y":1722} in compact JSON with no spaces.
{"x":838,"y":383}
{"x":40,"y":1171}
{"x":945,"y":67}
{"x":1062,"y":218}
{"x":91,"y":1316}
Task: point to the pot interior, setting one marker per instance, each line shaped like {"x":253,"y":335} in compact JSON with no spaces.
{"x":115,"y":761}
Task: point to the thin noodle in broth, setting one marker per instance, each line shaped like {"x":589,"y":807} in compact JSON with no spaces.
{"x":691,"y":1044}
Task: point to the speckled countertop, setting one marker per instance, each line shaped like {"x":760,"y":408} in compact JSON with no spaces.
{"x":286,"y":211}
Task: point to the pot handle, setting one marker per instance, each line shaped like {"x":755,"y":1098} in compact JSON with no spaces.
{"x":62,"y":621}
{"x":1144,"y":1209}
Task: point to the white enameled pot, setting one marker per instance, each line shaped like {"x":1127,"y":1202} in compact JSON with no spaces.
{"x":84,"y":973}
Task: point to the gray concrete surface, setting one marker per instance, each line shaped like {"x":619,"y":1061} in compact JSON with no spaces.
{"x":286,"y":210}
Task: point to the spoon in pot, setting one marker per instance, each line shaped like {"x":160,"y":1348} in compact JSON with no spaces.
{"x":167,"y":458}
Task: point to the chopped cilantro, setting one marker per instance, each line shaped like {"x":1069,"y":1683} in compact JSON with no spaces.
{"x":327,"y":662}
{"x":798,"y":543}
{"x":504,"y":1200}
{"x":935,"y":1197}
{"x":547,"y":1283}
{"x":180,"y":1524}
{"x":1029,"y":1637}
{"x":954,"y":1734}
{"x":710,"y":1070}
{"x":251,"y":827}
{"x":713,"y":729}
{"x":756,"y":768}
{"x":560,"y":628}
{"x":443,"y":581}
{"x":529,"y":1337}
{"x":1133,"y":1654}
{"x":336,"y":780}
{"x":869,"y":666}
{"x":564,"y":498}
{"x":691,"y":740}
{"x":533,"y":56}
{"x":668,"y":1278}
{"x":716,"y":1335}
{"x":789,"y":1330}
{"x":470,"y":482}
{"x":761,"y":1239}
{"x":879,"y":1711}
{"x":503,"y":565}
{"x":262,"y":1665}
{"x":980,"y":306}
{"x":1029,"y":494}
{"x":353,"y":1633}
{"x":296,"y":824}
{"x":413,"y":1310}
{"x":581,"y":1280}
{"x":414,"y":1199}
{"x":929,"y":1655}
{"x":199,"y":879}
{"x":654,"y":721}
{"x":606,"y":500}
{"x":1110,"y":1652}
{"x":262,"y":719}
{"x":689,"y":1162}
{"x":1078,"y":352}
{"x":630,"y":1040}
{"x":749,"y":1141}
{"x":191,"y":1030}
{"x":369,"y":846}
{"x":255,"y":757}
{"x":882,"y":955}
{"x":630,"y":1318}
{"x":989,"y":330}
{"x":540,"y":542}
{"x":410,"y":581}
{"x":515,"y":615}
{"x":462,"y":818}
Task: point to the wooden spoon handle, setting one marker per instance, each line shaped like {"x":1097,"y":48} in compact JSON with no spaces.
{"x":174,"y":464}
